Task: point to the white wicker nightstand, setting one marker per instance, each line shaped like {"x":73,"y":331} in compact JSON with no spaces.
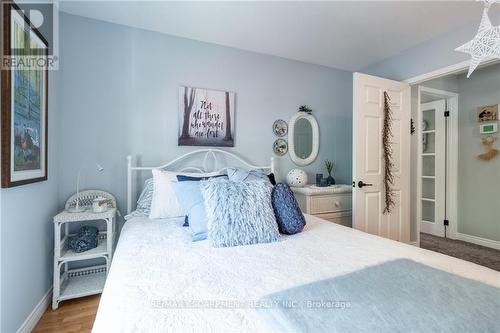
{"x":74,"y":283}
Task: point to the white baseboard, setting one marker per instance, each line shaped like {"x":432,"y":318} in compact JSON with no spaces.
{"x":478,"y":240}
{"x":37,"y":313}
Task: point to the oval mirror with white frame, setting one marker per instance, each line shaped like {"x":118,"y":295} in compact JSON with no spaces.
{"x":303,"y":138}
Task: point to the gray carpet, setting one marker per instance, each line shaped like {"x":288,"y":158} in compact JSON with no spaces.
{"x":480,"y":255}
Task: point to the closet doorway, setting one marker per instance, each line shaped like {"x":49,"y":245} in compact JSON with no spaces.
{"x":456,"y":158}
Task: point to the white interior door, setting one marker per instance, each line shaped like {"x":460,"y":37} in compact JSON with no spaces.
{"x":432,"y":150}
{"x":368,"y":164}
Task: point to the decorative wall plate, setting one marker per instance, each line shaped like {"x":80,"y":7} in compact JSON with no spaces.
{"x":280,"y":128}
{"x":280,"y":147}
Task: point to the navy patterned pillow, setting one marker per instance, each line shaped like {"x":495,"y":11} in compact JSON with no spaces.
{"x":287,"y":211}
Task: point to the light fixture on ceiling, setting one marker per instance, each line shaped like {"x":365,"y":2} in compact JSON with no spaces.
{"x":486,"y":43}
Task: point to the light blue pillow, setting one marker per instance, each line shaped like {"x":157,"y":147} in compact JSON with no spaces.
{"x":242,"y":175}
{"x":191,"y":200}
{"x":239,"y":213}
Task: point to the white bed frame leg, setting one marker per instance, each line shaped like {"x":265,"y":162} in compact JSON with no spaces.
{"x":129,"y":184}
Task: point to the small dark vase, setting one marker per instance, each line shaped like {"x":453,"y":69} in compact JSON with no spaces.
{"x":330,"y":180}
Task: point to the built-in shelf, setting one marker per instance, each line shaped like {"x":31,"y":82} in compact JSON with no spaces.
{"x":428,"y":200}
{"x":428,"y":154}
{"x":428,"y":131}
{"x":425,"y":221}
{"x":429,"y":177}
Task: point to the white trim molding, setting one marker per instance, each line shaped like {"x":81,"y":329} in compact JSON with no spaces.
{"x":478,"y":240}
{"x":29,"y":324}
{"x":452,"y":69}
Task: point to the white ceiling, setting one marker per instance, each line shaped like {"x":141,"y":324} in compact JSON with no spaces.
{"x":348,"y":35}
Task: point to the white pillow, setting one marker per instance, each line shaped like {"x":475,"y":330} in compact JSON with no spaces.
{"x":164,"y":203}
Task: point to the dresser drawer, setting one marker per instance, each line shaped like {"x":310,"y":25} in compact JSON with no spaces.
{"x":344,"y":219}
{"x":321,"y":204}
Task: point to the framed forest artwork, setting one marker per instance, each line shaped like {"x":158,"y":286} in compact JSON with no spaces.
{"x":24,"y":100}
{"x":206,"y":117}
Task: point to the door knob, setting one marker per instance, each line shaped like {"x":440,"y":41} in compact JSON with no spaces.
{"x":361,"y":184}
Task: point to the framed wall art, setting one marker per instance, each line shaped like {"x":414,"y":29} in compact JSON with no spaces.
{"x":24,"y":101}
{"x":206,"y":117}
{"x":487,"y":113}
{"x":280,"y":128}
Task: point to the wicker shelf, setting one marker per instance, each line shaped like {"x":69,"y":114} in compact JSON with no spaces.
{"x":72,"y":283}
{"x":83,"y":282}
{"x":101,"y":249}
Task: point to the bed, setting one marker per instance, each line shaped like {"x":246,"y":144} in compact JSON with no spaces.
{"x":161,"y":281}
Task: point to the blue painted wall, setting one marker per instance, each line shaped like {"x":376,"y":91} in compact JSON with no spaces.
{"x":120,"y":96}
{"x":27,"y":234}
{"x":26,"y":237}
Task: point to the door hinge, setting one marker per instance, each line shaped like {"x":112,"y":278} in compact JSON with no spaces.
{"x":353,"y":184}
{"x":446,"y":222}
{"x":447,"y":113}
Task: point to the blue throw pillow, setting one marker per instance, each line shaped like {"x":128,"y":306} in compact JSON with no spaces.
{"x":191,"y":200}
{"x":182,"y":178}
{"x":287,"y":211}
{"x":239,"y":213}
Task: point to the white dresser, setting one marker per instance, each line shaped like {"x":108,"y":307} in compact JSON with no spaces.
{"x":333,"y":203}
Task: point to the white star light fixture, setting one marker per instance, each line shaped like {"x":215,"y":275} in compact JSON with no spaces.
{"x":486,"y":43}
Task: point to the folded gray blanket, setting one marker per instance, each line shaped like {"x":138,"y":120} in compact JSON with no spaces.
{"x":397,"y":296}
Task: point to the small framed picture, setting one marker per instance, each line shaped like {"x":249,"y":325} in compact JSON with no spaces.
{"x":280,"y":147}
{"x":487,"y":113}
{"x":280,"y":128}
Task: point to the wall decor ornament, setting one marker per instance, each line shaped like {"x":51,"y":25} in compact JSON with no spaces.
{"x":280,"y":127}
{"x":487,"y":113}
{"x":491,"y":152}
{"x":389,"y":164}
{"x":206,"y":117}
{"x":24,"y":102}
{"x":280,"y":147}
{"x":305,"y":108}
{"x":486,"y":43}
{"x":296,"y":178}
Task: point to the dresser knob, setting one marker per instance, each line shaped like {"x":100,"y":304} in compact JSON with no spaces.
{"x":337,"y":204}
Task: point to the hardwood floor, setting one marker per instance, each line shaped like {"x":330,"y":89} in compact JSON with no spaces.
{"x":72,"y":316}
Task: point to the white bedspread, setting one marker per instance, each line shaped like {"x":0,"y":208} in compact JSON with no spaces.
{"x":157,"y":266}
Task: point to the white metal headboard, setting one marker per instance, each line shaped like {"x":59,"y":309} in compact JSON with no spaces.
{"x":209,"y":154}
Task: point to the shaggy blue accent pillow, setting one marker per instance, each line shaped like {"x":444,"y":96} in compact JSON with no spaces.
{"x":287,"y":211}
{"x":239,"y":213}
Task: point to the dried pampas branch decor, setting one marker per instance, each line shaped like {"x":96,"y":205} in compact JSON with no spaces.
{"x":389,"y":164}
